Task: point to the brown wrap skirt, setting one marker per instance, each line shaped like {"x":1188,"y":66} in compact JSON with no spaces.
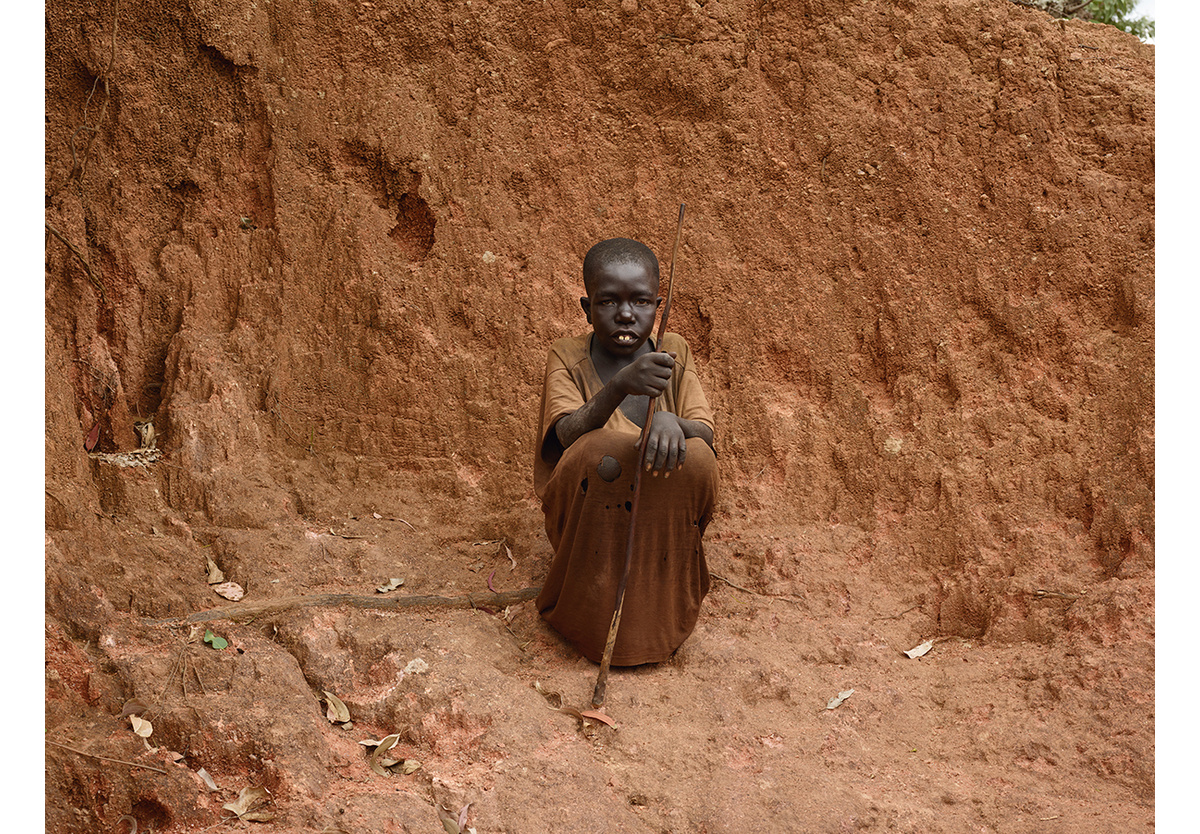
{"x":587,"y":505}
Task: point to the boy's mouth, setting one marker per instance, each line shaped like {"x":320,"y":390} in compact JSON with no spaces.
{"x":625,"y":338}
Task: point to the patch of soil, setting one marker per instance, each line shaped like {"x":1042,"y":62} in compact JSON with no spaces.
{"x":322,"y":249}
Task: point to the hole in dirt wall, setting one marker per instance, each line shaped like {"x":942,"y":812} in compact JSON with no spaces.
{"x":397,"y":190}
{"x":413,"y":231}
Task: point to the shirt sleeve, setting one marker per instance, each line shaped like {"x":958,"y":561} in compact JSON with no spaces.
{"x":560,"y":396}
{"x":690,"y":403}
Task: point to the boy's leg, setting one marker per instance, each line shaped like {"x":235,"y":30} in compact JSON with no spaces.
{"x":587,"y":504}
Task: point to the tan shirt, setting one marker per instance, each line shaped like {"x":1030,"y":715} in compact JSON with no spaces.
{"x":571,"y":380}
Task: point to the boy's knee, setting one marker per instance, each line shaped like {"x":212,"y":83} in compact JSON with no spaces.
{"x":609,"y":468}
{"x":700,"y":453}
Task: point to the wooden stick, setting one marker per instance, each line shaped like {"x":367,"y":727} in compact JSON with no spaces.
{"x":275,"y":606}
{"x":606,"y":659}
{"x":106,"y":758}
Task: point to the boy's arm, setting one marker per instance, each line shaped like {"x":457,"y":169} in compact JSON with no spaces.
{"x":648,"y":375}
{"x":694,"y":428}
{"x":591,"y":415}
{"x":666,"y":449}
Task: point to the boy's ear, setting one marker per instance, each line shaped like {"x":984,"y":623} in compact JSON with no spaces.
{"x":586,"y":304}
{"x":658,"y":302}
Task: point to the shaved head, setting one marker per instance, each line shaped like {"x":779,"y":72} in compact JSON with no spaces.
{"x":617,"y":250}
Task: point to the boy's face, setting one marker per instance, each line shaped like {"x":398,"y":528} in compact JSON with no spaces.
{"x":621,"y":306}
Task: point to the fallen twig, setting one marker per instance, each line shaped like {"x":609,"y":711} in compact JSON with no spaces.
{"x":751,"y":591}
{"x":1042,"y":593}
{"x":901,"y":614}
{"x":734,"y":584}
{"x":275,"y":606}
{"x":82,"y":259}
{"x":106,"y":758}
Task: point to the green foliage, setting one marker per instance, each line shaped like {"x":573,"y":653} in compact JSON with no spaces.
{"x":1117,"y":13}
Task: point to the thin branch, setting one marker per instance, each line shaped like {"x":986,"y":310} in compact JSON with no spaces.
{"x":751,"y":591}
{"x":901,"y":614}
{"x":106,"y":758}
{"x":82,"y":259}
{"x":112,"y":59}
{"x":258,"y":609}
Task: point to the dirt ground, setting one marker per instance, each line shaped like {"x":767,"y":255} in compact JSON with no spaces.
{"x":732,"y":734}
{"x":322,"y":249}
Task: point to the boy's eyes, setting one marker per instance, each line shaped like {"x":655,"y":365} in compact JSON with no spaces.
{"x":637,"y":302}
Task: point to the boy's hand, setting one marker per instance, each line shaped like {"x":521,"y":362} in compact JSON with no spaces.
{"x":666,"y":447}
{"x":647,"y":376}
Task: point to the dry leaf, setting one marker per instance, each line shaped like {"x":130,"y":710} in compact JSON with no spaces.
{"x":384,"y":746}
{"x":403,"y":766}
{"x":215,"y":577}
{"x":133,"y":707}
{"x":336,"y":711}
{"x":230,"y":590}
{"x":554,"y":698}
{"x":837,"y":700}
{"x":258,"y":816}
{"x":597,"y":715}
{"x":93,"y":437}
{"x":141,"y":726}
{"x":391,"y":585}
{"x":376,"y":515}
{"x":556,"y":702}
{"x":510,"y":558}
{"x":208,"y":780}
{"x":246,"y":805}
{"x":449,"y":821}
{"x":462,"y":816}
{"x":918,"y":651}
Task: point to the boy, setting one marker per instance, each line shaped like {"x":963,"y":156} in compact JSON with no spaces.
{"x":597,"y":390}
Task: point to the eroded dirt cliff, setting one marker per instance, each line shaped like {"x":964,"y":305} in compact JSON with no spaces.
{"x":323,"y":247}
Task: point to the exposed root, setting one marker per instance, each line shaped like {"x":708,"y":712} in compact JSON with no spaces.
{"x":250,"y":610}
{"x":751,"y":591}
{"x":106,"y":758}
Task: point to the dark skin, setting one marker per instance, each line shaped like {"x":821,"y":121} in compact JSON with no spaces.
{"x":621,"y":305}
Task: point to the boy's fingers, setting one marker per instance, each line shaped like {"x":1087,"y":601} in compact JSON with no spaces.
{"x":672,"y":457}
{"x":651,"y":453}
{"x":655,"y":457}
